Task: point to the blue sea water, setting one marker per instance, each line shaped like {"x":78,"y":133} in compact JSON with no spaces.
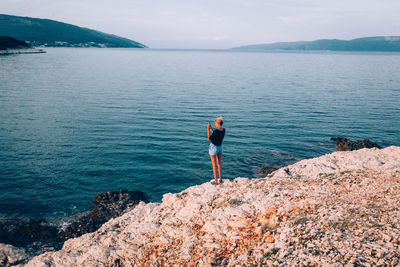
{"x":78,"y":122}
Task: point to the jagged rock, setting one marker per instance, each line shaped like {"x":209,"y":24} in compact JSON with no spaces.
{"x":108,"y":205}
{"x":38,"y":235}
{"x":33,"y":234}
{"x":267,"y":170}
{"x":338,"y":209}
{"x":344,"y":144}
{"x":12,"y":256}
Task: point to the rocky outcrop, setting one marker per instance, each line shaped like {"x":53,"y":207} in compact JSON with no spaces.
{"x":21,"y":51}
{"x":12,"y":256}
{"x":344,"y":144}
{"x":34,"y":235}
{"x":108,"y":205}
{"x":37,"y":236}
{"x":9,"y":45}
{"x":338,"y":209}
{"x":267,"y":170}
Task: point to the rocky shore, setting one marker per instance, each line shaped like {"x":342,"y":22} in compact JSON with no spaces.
{"x":21,"y":51}
{"x":341,"y":209}
{"x":38,"y":235}
{"x":9,"y":46}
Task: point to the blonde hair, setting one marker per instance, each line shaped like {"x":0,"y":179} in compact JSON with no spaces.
{"x":219,"y":120}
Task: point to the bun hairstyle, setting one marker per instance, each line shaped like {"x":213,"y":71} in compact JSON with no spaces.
{"x":219,"y":120}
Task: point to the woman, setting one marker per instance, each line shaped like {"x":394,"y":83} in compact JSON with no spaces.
{"x":215,"y":149}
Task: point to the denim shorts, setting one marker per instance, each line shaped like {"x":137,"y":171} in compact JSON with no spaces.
{"x":214,"y":150}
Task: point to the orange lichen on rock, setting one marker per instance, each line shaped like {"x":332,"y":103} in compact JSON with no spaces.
{"x":342,"y":207}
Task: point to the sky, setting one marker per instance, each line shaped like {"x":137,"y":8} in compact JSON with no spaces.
{"x":219,"y":24}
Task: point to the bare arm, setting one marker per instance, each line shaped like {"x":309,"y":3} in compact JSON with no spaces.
{"x":209,"y":128}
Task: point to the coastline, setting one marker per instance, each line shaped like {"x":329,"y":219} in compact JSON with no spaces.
{"x":21,"y":51}
{"x":335,"y":209}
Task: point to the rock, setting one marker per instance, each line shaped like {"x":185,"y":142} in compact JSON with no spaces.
{"x":381,"y":262}
{"x":344,"y":144}
{"x":339,"y":208}
{"x":282,"y":254}
{"x":21,"y":51}
{"x":38,"y":235}
{"x":243,"y":258}
{"x":265,"y":170}
{"x":270,"y":263}
{"x":12,"y":256}
{"x":108,"y":205}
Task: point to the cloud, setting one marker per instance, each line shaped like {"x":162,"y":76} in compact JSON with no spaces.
{"x":219,"y":23}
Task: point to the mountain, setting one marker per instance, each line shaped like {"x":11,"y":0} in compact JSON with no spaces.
{"x":379,"y":43}
{"x":45,"y":32}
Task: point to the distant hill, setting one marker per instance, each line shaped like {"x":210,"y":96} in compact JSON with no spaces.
{"x":45,"y":32}
{"x":380,"y":43}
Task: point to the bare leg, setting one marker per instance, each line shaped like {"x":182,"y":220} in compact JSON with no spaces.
{"x":213,"y":161}
{"x":219,"y":163}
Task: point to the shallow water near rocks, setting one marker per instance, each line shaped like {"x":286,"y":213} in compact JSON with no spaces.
{"x":77,"y":122}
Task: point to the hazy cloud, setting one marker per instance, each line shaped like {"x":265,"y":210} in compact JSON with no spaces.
{"x":219,"y":23}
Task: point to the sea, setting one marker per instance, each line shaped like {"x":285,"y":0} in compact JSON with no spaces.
{"x":76,"y":122}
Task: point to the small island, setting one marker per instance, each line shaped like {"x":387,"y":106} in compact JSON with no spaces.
{"x":9,"y":45}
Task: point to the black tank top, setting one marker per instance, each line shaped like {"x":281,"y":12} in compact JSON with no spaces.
{"x":217,"y":137}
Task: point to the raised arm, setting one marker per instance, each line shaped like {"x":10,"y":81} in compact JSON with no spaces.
{"x":209,"y":128}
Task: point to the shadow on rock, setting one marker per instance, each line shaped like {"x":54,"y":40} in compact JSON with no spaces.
{"x":344,"y":144}
{"x":35,"y":235}
{"x":267,"y":170}
{"x":38,"y":235}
